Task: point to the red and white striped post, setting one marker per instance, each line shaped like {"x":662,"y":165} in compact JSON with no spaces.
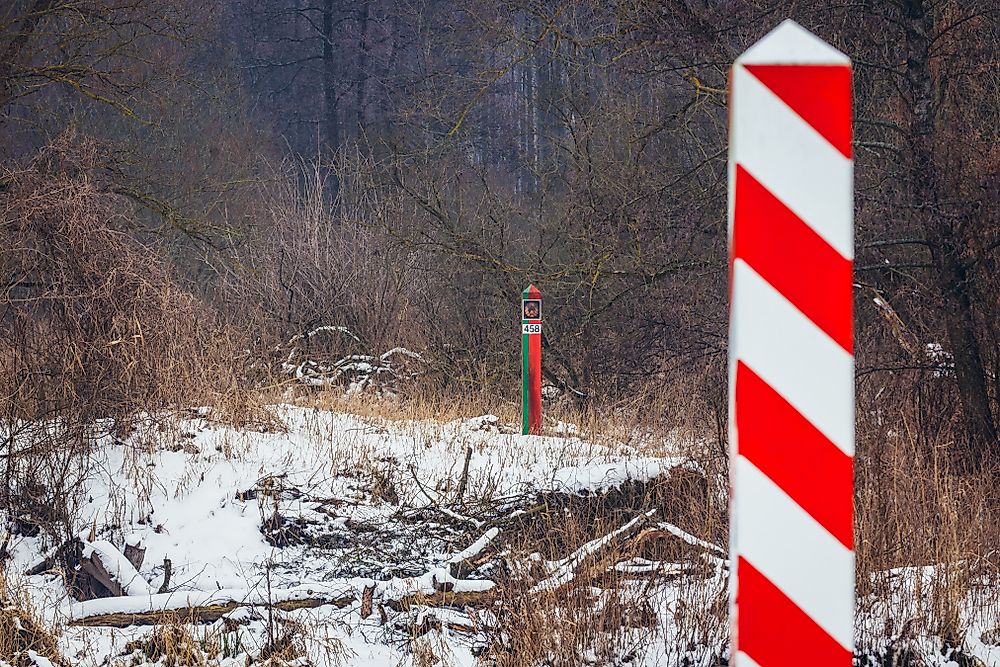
{"x":531,"y":361}
{"x":791,"y":363}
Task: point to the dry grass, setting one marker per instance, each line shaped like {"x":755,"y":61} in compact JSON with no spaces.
{"x":22,"y":632}
{"x":926,"y":528}
{"x":171,"y":645}
{"x":603,"y":615}
{"x":419,"y":403}
{"x":285,"y":642}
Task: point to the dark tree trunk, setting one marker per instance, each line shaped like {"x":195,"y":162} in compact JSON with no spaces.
{"x":940,"y":229}
{"x":10,"y":54}
{"x":331,"y":125}
{"x":362,"y":75}
{"x":386,"y":101}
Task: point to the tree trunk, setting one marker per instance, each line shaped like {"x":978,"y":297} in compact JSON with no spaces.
{"x":386,"y":101}
{"x":361,"y":81}
{"x":10,"y":54}
{"x":940,"y":232}
{"x":331,"y":127}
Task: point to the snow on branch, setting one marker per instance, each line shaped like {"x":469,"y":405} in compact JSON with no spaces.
{"x":691,"y":539}
{"x":476,"y":547}
{"x":355,"y":372}
{"x":564,"y":571}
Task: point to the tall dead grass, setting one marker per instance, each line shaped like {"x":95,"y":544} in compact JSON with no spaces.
{"x":95,"y":333}
{"x":23,"y":634}
{"x":926,"y":527}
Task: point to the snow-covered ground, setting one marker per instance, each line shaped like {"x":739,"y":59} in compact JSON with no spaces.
{"x":366,"y":520}
{"x":330,"y":501}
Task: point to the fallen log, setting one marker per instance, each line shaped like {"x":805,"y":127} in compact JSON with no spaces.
{"x":198,"y":615}
{"x":209,"y":613}
{"x":443,"y":599}
{"x":208,"y":606}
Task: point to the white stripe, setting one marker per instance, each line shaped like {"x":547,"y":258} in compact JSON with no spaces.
{"x":792,"y":160}
{"x":791,"y":44}
{"x":794,"y":356}
{"x":794,"y":552}
{"x":743,"y":660}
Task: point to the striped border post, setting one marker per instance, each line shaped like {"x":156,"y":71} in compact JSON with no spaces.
{"x":531,"y":361}
{"x":791,"y":363}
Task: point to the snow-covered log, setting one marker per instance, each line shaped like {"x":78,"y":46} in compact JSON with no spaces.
{"x":208,"y":606}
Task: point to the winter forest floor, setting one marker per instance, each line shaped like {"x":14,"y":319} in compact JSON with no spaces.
{"x":322,"y":537}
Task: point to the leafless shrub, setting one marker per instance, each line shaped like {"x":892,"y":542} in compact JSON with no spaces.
{"x":315,"y":262}
{"x":171,"y":645}
{"x":95,"y":332}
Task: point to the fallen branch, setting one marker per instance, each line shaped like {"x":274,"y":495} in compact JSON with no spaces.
{"x":637,"y":569}
{"x":476,"y":547}
{"x":640,"y":567}
{"x":691,"y":539}
{"x":438,"y":580}
{"x":438,"y":587}
{"x":467,"y":560}
{"x":438,"y":619}
{"x":564,"y":571}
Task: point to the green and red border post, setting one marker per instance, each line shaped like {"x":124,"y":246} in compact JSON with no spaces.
{"x":531,"y":361}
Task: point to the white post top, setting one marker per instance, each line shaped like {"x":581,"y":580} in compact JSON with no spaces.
{"x":791,"y":44}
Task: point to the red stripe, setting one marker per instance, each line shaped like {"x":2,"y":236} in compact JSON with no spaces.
{"x":535,"y":383}
{"x":793,"y":454}
{"x":774,"y":632}
{"x":794,"y":259}
{"x":819,"y":94}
